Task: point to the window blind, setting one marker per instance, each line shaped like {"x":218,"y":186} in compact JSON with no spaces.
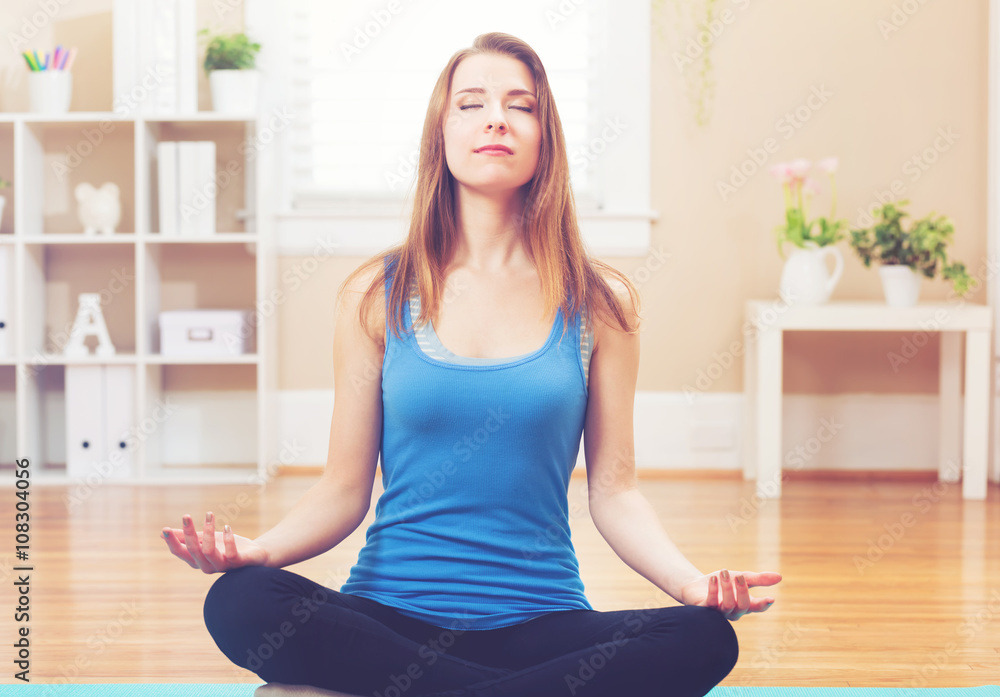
{"x":362,"y":75}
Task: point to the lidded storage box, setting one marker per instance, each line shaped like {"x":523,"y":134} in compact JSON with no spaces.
{"x":206,"y":332}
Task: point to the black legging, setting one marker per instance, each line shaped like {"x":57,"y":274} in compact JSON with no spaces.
{"x":289,"y":629}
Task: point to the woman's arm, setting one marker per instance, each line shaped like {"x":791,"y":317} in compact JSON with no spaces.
{"x":336,"y":504}
{"x":622,"y":515}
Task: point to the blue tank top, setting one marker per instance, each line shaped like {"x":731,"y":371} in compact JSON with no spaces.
{"x":472,"y":528}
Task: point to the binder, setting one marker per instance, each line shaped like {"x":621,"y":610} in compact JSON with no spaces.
{"x":187,"y":57}
{"x":167,"y":185}
{"x":85,"y":439}
{"x":100,"y":421}
{"x":6,"y":302}
{"x":205,"y":167}
{"x":119,"y":419}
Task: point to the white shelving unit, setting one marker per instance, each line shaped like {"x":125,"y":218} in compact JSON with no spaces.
{"x":52,"y":264}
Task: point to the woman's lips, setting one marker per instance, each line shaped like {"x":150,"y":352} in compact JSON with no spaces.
{"x":494,"y":150}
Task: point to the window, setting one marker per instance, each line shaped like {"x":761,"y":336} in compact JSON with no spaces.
{"x":360,"y":77}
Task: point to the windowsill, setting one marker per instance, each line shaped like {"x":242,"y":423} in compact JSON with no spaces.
{"x":363,"y":232}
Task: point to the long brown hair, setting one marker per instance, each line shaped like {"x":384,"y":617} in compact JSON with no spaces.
{"x":570,"y":278}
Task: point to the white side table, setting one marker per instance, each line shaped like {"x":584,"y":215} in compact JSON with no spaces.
{"x":763,"y":388}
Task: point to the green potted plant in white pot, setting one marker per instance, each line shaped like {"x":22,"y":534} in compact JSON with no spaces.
{"x":906,"y":257}
{"x":805,"y":279}
{"x":230,"y":63}
{"x":3,"y":199}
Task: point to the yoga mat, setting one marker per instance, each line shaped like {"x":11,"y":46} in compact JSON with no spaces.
{"x":247,"y":689}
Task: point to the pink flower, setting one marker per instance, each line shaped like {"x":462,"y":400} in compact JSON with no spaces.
{"x":828,"y":165}
{"x":811,"y":187}
{"x":781,"y":172}
{"x":799,"y":168}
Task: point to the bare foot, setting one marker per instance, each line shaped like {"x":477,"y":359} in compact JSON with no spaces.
{"x":277,"y":689}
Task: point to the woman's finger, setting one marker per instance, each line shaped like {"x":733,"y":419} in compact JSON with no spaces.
{"x":194,"y":545}
{"x":742,"y":594}
{"x":728,"y":602}
{"x":177,"y":548}
{"x":208,"y":539}
{"x":713,"y":591}
{"x":230,"y":541}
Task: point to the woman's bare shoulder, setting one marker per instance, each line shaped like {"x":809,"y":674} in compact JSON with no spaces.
{"x":602,"y":326}
{"x":355,"y":290}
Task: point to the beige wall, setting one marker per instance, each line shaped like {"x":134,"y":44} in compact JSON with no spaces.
{"x":889,"y":98}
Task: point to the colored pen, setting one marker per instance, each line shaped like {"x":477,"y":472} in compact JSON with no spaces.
{"x":27,"y":59}
{"x":71,"y":57}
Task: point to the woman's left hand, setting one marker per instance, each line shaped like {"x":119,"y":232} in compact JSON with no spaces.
{"x":729,"y":592}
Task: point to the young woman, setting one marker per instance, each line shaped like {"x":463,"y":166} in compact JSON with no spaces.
{"x":472,"y":357}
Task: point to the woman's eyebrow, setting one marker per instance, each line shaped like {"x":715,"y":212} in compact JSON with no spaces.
{"x":480,"y":90}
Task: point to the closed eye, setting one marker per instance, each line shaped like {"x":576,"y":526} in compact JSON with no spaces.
{"x":526,"y":109}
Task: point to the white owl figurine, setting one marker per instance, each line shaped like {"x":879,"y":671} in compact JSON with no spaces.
{"x":98,"y":209}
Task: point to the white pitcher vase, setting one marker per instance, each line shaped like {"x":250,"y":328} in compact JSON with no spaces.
{"x":805,"y":279}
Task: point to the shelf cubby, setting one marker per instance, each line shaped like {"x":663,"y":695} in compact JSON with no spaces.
{"x":56,"y":274}
{"x":234,"y":179}
{"x":58,"y":155}
{"x":199,"y":416}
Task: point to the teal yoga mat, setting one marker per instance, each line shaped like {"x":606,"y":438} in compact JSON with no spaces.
{"x":247,"y":689}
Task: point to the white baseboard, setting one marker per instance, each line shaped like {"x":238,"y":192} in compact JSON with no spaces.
{"x":871,"y":432}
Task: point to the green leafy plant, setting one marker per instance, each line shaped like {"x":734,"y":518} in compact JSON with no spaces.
{"x":4,"y":183}
{"x":798,"y":229}
{"x":922,"y":247}
{"x":230,"y":52}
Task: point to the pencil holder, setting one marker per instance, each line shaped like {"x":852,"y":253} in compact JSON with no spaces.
{"x":50,"y":91}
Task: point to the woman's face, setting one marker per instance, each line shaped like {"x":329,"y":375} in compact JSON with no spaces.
{"x":492,"y":102}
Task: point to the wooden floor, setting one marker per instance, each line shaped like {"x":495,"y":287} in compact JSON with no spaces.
{"x":886,"y":583}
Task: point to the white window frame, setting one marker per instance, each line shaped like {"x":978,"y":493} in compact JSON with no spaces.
{"x":621,"y":228}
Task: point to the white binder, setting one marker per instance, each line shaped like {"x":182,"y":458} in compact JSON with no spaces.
{"x":6,"y":302}
{"x":119,"y":419}
{"x":100,"y":421}
{"x":84,"y":419}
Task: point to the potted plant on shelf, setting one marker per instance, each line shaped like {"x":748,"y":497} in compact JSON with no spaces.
{"x":805,"y":279}
{"x":3,"y":199}
{"x":230,"y":63}
{"x":906,"y":256}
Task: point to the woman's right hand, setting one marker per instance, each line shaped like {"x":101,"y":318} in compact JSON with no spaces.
{"x":213,"y":551}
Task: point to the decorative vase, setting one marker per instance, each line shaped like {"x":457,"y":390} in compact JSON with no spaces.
{"x":234,"y":91}
{"x":805,"y":279}
{"x":901,"y":284}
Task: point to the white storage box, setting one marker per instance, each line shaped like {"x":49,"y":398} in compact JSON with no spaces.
{"x":206,"y":332}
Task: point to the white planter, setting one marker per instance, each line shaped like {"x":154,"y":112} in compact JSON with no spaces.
{"x":805,"y":279}
{"x":901,"y":285}
{"x":234,"y":91}
{"x":3,"y":201}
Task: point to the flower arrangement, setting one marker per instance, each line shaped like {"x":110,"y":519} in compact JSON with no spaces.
{"x":922,"y":247}
{"x":799,"y":188}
